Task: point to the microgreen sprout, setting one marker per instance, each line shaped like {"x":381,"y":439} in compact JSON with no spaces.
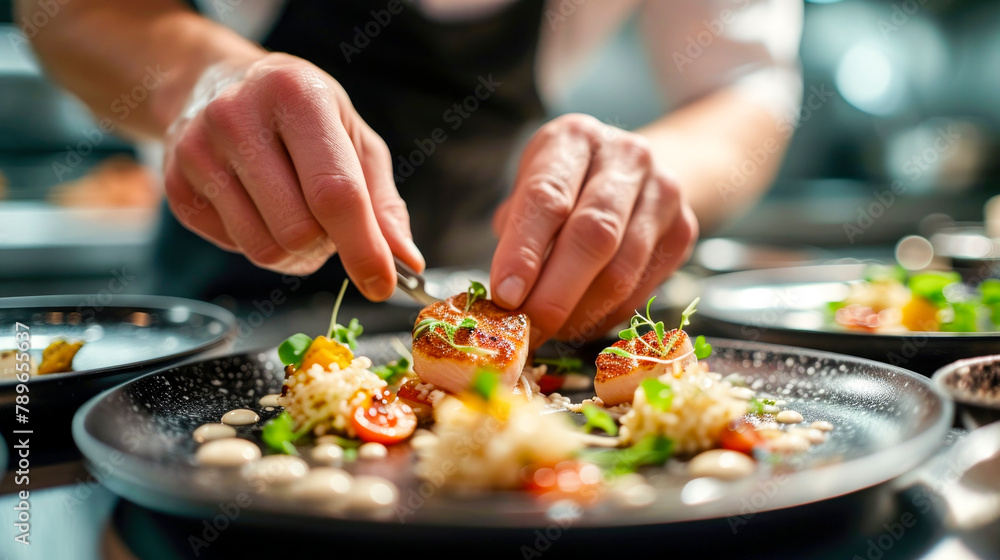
{"x":345,"y":335}
{"x":661,"y":345}
{"x":561,"y":365}
{"x":599,"y":418}
{"x":447,"y":331}
{"x":476,"y":291}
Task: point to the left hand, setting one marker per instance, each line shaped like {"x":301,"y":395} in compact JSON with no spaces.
{"x":592,"y":227}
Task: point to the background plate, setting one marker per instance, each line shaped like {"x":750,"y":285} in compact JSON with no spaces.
{"x":137,"y":437}
{"x":126,"y":336}
{"x":789,"y":306}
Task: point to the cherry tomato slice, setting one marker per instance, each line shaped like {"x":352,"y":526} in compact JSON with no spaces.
{"x":740,"y":436}
{"x":384,"y":419}
{"x":548,"y":384}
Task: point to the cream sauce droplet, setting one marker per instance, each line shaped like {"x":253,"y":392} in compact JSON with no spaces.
{"x":240,"y":417}
{"x":324,"y":484}
{"x":213,"y":430}
{"x":328,"y":454}
{"x":372,"y":451}
{"x":373,"y":492}
{"x":227,"y":452}
{"x":788,"y":417}
{"x":742,"y":393}
{"x":270,"y":400}
{"x":721,"y":463}
{"x":822,"y":425}
{"x":275,"y":470}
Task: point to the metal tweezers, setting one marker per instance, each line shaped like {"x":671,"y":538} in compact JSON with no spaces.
{"x":412,"y":284}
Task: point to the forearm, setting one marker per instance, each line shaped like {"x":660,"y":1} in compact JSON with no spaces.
{"x":133,"y":62}
{"x":724,"y":150}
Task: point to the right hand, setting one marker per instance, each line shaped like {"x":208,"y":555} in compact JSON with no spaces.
{"x":278,"y":165}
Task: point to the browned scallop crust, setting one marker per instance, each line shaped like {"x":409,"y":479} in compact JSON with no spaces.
{"x":497,"y":329}
{"x":610,"y":366}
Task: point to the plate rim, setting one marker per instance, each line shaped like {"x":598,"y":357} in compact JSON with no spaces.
{"x":874,"y":466}
{"x":216,"y":312}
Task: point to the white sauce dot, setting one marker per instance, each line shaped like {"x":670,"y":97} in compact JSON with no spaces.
{"x":240,"y":417}
{"x":721,"y":463}
{"x":770,"y":409}
{"x":788,"y":417}
{"x":789,"y":443}
{"x":208,"y":432}
{"x":228,"y":452}
{"x":822,"y":425}
{"x":270,"y":400}
{"x":372,"y":451}
{"x":373,"y":492}
{"x":743,"y":393}
{"x":424,"y":441}
{"x":328,"y":454}
{"x":576,"y":382}
{"x":324,"y":484}
{"x":277,"y":470}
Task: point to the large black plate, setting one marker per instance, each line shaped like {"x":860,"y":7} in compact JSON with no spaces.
{"x":788,"y":306}
{"x":137,"y":438}
{"x":126,"y":336}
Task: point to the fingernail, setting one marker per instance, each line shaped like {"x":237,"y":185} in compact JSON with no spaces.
{"x":511,"y":290}
{"x":416,"y":254}
{"x":376,"y":288}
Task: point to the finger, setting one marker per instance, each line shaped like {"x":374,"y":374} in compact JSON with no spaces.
{"x":389,"y":207}
{"x":334,"y":186}
{"x":592,"y":234}
{"x":263,"y":167}
{"x":206,"y":174}
{"x":655,"y":212}
{"x":672,"y":251}
{"x":500,"y":217}
{"x":195,"y":212}
{"x":545,"y":192}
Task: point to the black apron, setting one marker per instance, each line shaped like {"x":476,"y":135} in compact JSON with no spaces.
{"x":452,"y":100}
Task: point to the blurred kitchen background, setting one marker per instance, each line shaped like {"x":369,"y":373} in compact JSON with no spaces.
{"x":76,"y":209}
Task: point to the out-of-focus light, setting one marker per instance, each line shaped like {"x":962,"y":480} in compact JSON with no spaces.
{"x":823,"y":1}
{"x":865,"y":78}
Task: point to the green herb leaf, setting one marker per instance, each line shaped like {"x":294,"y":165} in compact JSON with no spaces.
{"x":963,"y":318}
{"x":659,"y":394}
{"x":617,"y":351}
{"x":279,"y":434}
{"x":930,"y":285}
{"x":756,"y":406}
{"x":660,"y":330}
{"x":628,"y":334}
{"x":688,"y":312}
{"x":651,"y":450}
{"x":485,"y":383}
{"x":447,"y":332}
{"x":393,"y":371}
{"x":293,"y":349}
{"x":348,"y":335}
{"x":599,"y":418}
{"x":476,"y":291}
{"x":990,"y":289}
{"x":702,"y":349}
{"x":561,"y":365}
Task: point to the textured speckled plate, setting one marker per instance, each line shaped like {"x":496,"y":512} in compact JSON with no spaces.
{"x":789,"y":306}
{"x":138,"y":438}
{"x":125,"y":335}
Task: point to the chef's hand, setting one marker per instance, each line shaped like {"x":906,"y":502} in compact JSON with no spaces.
{"x":275,"y":163}
{"x":590,"y":230}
